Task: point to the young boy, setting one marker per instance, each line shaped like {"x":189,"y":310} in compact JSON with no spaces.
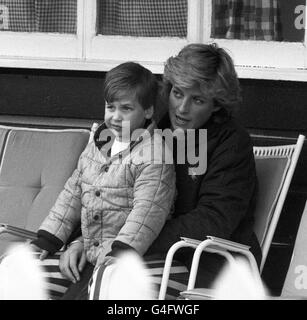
{"x":121,"y":192}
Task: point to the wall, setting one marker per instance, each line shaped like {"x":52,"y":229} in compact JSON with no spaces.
{"x":51,"y":93}
{"x":270,"y":108}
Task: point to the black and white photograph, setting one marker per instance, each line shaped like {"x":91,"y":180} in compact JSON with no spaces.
{"x":153,"y":153}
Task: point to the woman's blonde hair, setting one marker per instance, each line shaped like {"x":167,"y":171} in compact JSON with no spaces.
{"x":208,"y":67}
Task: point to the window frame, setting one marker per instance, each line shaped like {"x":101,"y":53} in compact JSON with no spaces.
{"x":111,"y":50}
{"x":262,"y":59}
{"x":91,"y":52}
{"x":23,"y":46}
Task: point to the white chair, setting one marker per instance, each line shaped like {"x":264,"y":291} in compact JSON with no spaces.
{"x":275,"y":167}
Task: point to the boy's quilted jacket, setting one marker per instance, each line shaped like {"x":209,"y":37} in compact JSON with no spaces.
{"x":121,"y":201}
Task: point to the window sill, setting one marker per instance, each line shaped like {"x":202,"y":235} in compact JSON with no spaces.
{"x":266,"y":73}
{"x":246,"y":71}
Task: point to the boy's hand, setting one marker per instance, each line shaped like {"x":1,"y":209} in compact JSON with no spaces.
{"x":44,"y":253}
{"x":72,"y":261}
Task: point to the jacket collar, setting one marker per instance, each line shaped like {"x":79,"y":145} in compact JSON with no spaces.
{"x":104,"y":135}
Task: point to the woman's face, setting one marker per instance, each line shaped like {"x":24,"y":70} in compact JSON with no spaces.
{"x":189,"y":108}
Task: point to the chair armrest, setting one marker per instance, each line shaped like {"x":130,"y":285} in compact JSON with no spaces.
{"x":220,"y":244}
{"x":211,"y":244}
{"x":222,"y":247}
{"x":197,"y":294}
{"x":20,"y":232}
{"x":168,"y":263}
{"x":229,"y":245}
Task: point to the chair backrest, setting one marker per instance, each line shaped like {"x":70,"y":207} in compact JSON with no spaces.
{"x":275,"y":167}
{"x":34,"y":166}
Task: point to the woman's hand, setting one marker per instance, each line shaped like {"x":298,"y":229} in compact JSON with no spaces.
{"x":72,"y":261}
{"x":44,"y":253}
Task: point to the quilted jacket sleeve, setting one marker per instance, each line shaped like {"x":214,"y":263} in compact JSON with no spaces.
{"x":153,"y":197}
{"x":65,"y":215}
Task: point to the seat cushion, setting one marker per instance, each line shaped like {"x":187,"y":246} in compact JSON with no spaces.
{"x":34,"y":166}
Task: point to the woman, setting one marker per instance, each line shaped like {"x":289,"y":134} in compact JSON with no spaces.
{"x":203,"y":91}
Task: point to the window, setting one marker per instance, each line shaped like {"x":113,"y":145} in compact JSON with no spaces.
{"x":266,"y":38}
{"x":142,"y":18}
{"x":257,"y":20}
{"x":141,"y":30}
{"x":39,"y":29}
{"x":39,"y":16}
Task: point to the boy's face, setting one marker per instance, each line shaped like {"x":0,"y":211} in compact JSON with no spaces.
{"x":189,"y":108}
{"x":125,"y":112}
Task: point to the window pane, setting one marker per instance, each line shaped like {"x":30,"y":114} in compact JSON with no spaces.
{"x":142,"y":18}
{"x":38,"y":16}
{"x":270,"y":20}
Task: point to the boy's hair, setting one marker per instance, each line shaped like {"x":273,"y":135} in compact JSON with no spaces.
{"x":131,"y":78}
{"x":208,"y":67}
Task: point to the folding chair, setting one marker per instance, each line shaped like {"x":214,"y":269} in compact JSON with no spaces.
{"x":275,"y":166}
{"x":34,"y":165}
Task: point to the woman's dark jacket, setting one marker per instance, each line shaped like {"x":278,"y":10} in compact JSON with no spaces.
{"x":220,"y":202}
